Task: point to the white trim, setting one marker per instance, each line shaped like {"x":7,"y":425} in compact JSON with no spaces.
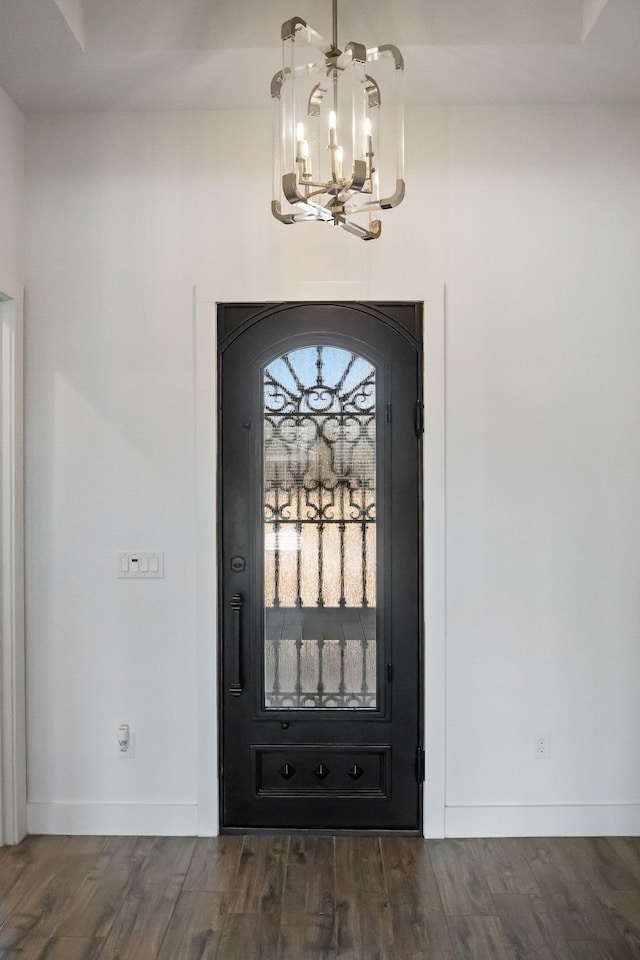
{"x":432,"y":295}
{"x":434,"y":568}
{"x":114,"y":819}
{"x":554,"y":820}
{"x":12,"y":673}
{"x":206,"y":385}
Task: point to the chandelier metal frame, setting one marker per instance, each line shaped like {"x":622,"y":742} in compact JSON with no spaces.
{"x":328,"y":168}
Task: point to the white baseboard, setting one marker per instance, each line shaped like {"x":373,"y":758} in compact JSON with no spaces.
{"x":588,"y":820}
{"x":113,"y":819}
{"x":181,"y":820}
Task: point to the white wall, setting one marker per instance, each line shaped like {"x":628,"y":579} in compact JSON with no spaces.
{"x":11,"y":188}
{"x":543,"y":456}
{"x":531,"y":216}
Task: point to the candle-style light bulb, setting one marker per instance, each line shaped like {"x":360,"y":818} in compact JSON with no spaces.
{"x":368,"y":139}
{"x":299,"y":140}
{"x":368,"y":146}
{"x":332,"y":129}
{"x":302,"y":151}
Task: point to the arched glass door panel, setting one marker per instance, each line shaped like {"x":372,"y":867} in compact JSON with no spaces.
{"x":319,"y":485}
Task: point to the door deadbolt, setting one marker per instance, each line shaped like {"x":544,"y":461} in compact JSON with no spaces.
{"x":237,"y":564}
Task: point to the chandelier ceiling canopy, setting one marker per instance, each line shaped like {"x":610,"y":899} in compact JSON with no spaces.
{"x":338,"y":130}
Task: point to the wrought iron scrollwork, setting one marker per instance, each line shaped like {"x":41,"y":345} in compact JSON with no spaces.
{"x":320,"y":464}
{"x":320,"y":517}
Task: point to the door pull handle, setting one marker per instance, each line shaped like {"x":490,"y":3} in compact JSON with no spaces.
{"x":235,"y":686}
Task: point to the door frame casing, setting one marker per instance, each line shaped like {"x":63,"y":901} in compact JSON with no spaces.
{"x":205,"y":369}
{"x":13,"y":777}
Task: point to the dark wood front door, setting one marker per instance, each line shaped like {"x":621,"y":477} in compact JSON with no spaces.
{"x":320,"y":566}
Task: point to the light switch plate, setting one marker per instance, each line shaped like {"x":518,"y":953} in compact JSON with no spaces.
{"x":132,"y":564}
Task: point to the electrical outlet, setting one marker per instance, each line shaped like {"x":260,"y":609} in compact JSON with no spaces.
{"x":542,"y":746}
{"x":126,"y":742}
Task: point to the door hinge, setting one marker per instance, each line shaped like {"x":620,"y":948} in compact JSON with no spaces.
{"x":389,"y":411}
{"x":389,"y":672}
{"x":419,"y":418}
{"x":420,"y":765}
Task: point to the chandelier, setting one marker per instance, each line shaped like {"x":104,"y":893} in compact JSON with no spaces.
{"x":338,"y":130}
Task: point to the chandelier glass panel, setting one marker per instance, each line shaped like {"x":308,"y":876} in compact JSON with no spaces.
{"x":338,"y":131}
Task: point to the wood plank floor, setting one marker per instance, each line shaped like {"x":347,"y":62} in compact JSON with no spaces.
{"x":319,"y":898}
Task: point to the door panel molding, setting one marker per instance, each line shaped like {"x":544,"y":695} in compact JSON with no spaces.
{"x":358,"y":771}
{"x":240,"y":317}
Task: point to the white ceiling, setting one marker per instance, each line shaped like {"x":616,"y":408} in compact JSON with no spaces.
{"x":87,"y":55}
